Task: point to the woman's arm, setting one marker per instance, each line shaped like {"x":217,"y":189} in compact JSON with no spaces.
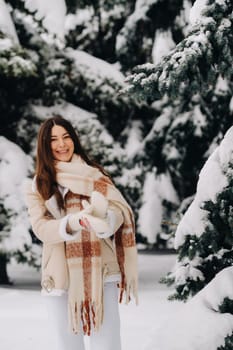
{"x":45,"y":228}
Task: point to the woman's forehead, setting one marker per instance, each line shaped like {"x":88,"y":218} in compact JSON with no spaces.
{"x":58,"y":130}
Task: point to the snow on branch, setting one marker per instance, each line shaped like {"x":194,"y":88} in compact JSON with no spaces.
{"x":15,"y":61}
{"x":7,"y":26}
{"x":51,"y":12}
{"x":195,"y":62}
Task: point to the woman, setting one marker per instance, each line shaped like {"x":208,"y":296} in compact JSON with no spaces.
{"x":87,"y":230}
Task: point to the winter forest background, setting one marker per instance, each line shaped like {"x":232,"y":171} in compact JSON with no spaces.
{"x":148,"y":84}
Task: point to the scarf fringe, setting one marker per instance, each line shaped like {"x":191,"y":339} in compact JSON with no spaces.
{"x":87,"y":313}
{"x":127,"y":289}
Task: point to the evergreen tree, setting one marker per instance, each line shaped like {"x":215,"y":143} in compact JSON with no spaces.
{"x":204,"y":234}
{"x":94,"y":25}
{"x":17,"y":76}
{"x":190,"y":90}
{"x":196,"y":62}
{"x":135,"y":40}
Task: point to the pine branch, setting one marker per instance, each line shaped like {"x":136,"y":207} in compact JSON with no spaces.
{"x":194,"y":63}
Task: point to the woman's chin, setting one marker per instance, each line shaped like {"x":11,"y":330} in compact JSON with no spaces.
{"x":63,"y":158}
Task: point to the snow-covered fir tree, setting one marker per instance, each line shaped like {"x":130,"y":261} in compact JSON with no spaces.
{"x":195,"y":81}
{"x":197,"y":60}
{"x":190,"y":90}
{"x":93,"y":26}
{"x":147,"y":35}
{"x":204,"y":236}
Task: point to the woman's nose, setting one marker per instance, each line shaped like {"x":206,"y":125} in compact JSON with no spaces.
{"x":61,"y":142}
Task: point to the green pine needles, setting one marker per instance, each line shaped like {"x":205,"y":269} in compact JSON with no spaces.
{"x":195,"y":62}
{"x":15,"y":61}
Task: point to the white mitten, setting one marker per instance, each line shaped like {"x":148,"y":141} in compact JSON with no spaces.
{"x":99,"y":204}
{"x":95,"y":217}
{"x":95,"y":224}
{"x":75,"y":220}
{"x":103,"y":228}
{"x":111,"y":221}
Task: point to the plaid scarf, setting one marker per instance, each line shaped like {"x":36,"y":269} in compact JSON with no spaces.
{"x":85,"y":294}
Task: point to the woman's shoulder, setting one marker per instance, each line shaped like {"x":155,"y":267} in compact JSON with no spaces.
{"x":29,"y":185}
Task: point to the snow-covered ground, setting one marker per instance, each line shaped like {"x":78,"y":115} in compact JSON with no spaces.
{"x":23,"y":318}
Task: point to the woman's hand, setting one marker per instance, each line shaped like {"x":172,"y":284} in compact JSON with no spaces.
{"x":103,"y":228}
{"x":95,"y":217}
{"x":75,"y":220}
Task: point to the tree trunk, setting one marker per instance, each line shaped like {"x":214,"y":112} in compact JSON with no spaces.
{"x":97,"y":12}
{"x":4,"y":279}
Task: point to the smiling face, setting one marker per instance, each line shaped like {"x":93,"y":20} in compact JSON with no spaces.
{"x":62,"y":145}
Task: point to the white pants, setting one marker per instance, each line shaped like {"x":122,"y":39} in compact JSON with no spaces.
{"x":107,"y":338}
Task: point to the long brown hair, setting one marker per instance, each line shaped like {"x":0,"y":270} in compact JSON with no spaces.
{"x":45,"y":165}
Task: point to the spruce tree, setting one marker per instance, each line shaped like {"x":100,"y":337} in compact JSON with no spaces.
{"x":196,"y":61}
{"x":135,"y":40}
{"x":94,"y":25}
{"x":204,"y":234}
{"x":190,"y":90}
{"x":17,"y":76}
